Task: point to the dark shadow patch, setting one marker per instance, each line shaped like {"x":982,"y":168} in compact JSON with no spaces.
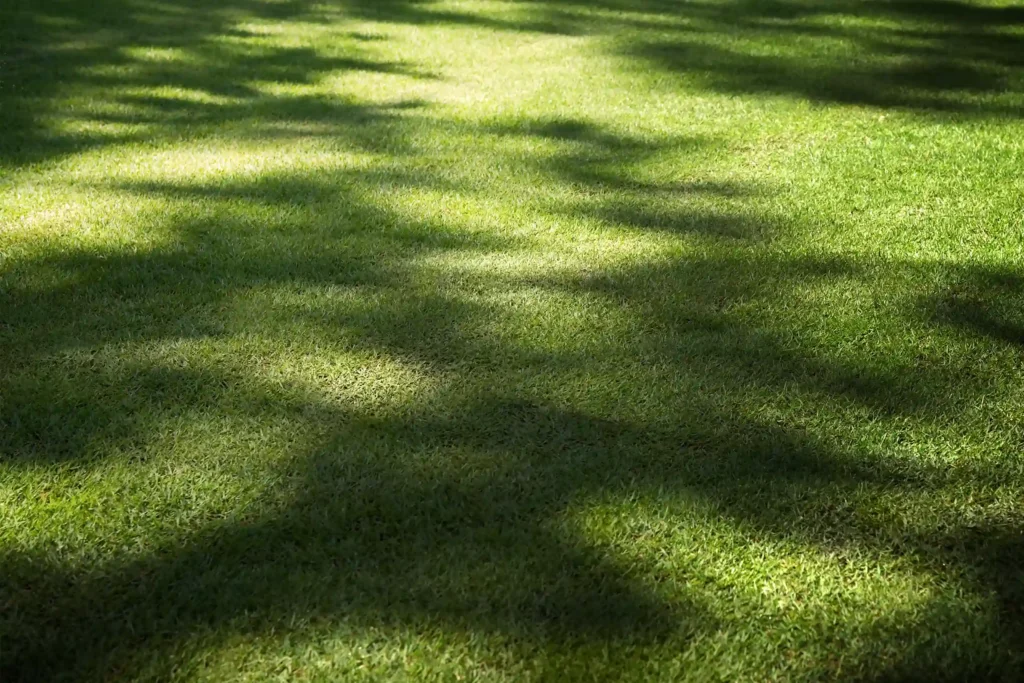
{"x":985,"y":302}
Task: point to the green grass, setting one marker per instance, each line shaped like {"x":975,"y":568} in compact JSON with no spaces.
{"x":511,"y":341}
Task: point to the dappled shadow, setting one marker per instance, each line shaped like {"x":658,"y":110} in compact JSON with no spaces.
{"x":454,"y":513}
{"x":178,"y":292}
{"x":935,"y":57}
{"x":605,"y":165}
{"x":384,"y":545}
{"x":152,"y":70}
{"x":450,"y":514}
{"x":989,"y":302}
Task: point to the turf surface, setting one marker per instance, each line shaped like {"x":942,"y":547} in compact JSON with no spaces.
{"x":504,"y":341}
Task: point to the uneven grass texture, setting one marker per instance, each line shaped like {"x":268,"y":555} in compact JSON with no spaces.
{"x":552,"y":340}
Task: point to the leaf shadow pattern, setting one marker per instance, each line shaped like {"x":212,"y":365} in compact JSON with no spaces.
{"x":386,"y":524}
{"x":940,"y":58}
{"x":450,"y":517}
{"x":363,"y":545}
{"x":601,"y":163}
{"x":53,"y":50}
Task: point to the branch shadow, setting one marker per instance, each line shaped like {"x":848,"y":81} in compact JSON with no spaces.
{"x":940,"y":58}
{"x":124,"y":55}
{"x":985,"y":302}
{"x":449,"y":516}
{"x":602,"y":163}
{"x":452,"y":516}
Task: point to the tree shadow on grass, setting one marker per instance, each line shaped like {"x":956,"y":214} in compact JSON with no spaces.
{"x":984,"y":302}
{"x":926,"y":57}
{"x":122,"y":55}
{"x":934,"y":57}
{"x":369,"y":542}
{"x":364,"y":542}
{"x":603,"y":165}
{"x":449,"y":516}
{"x":453,"y":515}
{"x":829,"y":494}
{"x":943,"y":57}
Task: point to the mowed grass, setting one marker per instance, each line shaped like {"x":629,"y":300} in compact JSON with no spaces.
{"x":542,"y":340}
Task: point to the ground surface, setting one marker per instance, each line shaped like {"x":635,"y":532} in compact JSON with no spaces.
{"x":510,"y":341}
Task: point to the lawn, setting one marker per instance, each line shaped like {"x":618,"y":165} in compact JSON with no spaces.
{"x":532,"y":340}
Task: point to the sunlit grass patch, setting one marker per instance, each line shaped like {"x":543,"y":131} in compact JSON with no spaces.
{"x":501,"y":341}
